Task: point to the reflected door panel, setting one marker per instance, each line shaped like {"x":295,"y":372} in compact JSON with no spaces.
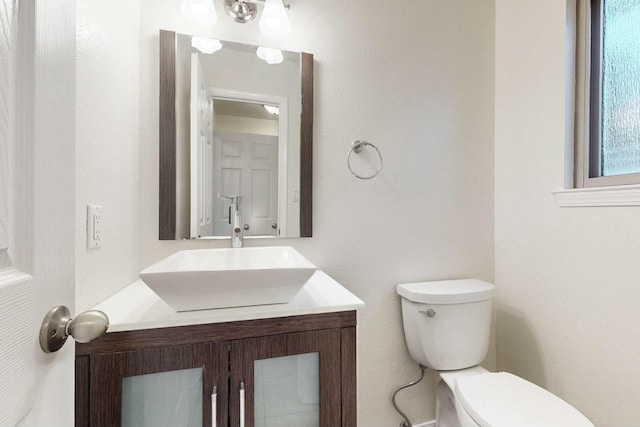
{"x":247,"y":165}
{"x":201,"y":152}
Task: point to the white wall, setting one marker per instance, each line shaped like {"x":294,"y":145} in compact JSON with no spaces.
{"x":422,"y":91}
{"x":420,"y":87}
{"x":568,"y":278}
{"x":107,"y":145}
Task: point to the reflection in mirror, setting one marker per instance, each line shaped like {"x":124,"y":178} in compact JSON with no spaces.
{"x":233,"y":124}
{"x":249,"y":156}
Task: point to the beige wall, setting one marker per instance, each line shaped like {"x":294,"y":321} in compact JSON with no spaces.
{"x":418,"y":85}
{"x":422,"y":92}
{"x":568,"y":278}
{"x":107,"y":144}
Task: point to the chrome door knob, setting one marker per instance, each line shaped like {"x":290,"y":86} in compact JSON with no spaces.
{"x":246,"y":226}
{"x":58,"y":325}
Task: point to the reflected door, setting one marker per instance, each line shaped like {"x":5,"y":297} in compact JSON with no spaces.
{"x":164,"y":387}
{"x":247,"y":165}
{"x":289,"y":380}
{"x":201,"y":131}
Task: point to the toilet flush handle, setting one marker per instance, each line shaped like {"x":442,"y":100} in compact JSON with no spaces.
{"x":431,"y":312}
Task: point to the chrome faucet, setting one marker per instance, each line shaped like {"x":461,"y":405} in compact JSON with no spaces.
{"x":235,"y":219}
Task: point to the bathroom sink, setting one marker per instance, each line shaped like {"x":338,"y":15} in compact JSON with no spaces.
{"x":216,"y":278}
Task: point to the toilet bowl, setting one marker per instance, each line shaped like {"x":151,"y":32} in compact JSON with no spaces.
{"x":447,"y":326}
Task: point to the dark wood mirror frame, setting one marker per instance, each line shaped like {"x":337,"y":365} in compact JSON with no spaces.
{"x":167,"y":140}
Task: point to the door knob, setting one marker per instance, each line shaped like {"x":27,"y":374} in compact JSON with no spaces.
{"x":246,"y":226}
{"x":274,"y":225}
{"x":58,"y":325}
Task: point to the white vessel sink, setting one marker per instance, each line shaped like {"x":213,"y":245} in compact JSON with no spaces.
{"x":217,"y":278}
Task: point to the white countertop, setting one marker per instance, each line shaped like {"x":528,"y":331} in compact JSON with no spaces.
{"x":138,"y":307}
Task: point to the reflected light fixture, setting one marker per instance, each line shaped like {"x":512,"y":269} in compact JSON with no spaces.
{"x":199,"y":12}
{"x":274,"y":22}
{"x":205,"y":45}
{"x":269,"y":55}
{"x":272,"y":109}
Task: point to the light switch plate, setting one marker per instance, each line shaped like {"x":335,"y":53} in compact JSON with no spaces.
{"x":94,"y":226}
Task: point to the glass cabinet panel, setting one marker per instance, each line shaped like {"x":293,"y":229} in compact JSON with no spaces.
{"x":287,"y":391}
{"x":166,"y":399}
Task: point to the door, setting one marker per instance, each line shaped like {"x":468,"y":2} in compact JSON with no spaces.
{"x":201,"y":134}
{"x":37,"y":191}
{"x":247,"y":165}
{"x":289,"y":380}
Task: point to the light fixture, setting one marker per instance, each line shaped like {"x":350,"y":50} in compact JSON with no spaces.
{"x":199,"y":12}
{"x":274,"y":22}
{"x":240,"y":10}
{"x":269,"y":55}
{"x":272,"y":109}
{"x":205,"y":45}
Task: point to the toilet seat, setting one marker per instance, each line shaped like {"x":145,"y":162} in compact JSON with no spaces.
{"x":505,"y":400}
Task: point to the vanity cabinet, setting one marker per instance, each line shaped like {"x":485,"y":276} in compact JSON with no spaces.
{"x":287,"y":371}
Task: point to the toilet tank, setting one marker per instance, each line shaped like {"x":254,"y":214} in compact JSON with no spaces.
{"x":447,"y":323}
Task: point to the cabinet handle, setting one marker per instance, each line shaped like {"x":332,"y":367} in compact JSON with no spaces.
{"x":242,"y":404}
{"x":214,"y":405}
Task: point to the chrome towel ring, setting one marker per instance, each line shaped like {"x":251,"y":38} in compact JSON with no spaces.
{"x":357,"y":147}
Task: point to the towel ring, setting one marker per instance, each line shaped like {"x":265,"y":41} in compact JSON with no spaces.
{"x":357,"y":147}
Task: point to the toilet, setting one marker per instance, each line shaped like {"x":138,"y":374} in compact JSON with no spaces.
{"x":447,"y":325}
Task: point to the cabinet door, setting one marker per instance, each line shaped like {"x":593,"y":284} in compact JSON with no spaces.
{"x":160,"y":387}
{"x":289,"y":380}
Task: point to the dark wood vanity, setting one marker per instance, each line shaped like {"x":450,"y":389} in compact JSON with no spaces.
{"x":226,"y":353}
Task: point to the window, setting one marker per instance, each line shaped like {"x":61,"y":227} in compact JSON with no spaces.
{"x":608,"y":93}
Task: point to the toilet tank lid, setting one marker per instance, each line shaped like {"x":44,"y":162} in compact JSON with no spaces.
{"x":505,"y":400}
{"x":447,"y":291}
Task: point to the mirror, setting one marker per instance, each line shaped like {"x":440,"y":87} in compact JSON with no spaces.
{"x":233,"y":124}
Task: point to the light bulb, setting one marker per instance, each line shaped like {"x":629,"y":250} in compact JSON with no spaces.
{"x":269,"y":55}
{"x":272,"y":109}
{"x":274,"y":22}
{"x":206,"y":45}
{"x":199,"y":12}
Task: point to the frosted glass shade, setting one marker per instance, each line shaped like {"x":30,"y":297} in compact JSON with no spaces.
{"x":199,"y":12}
{"x":274,"y":22}
{"x":269,"y":55}
{"x":205,"y":45}
{"x":272,"y":109}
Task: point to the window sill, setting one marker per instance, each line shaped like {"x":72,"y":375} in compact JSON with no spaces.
{"x":623,"y":195}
